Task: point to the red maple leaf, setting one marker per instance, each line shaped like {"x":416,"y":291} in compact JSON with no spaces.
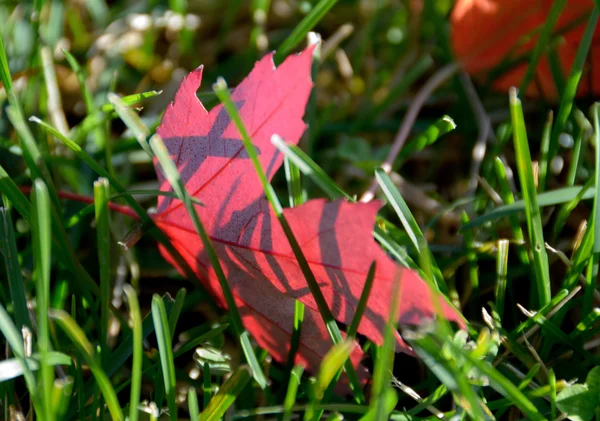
{"x":253,"y":250}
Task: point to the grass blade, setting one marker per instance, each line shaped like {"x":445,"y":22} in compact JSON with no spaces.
{"x":165,"y":348}
{"x":138,"y":351}
{"x":568,"y":95}
{"x":101,"y":194}
{"x":532,"y":210}
{"x":227,"y":394}
{"x":16,"y":285}
{"x":290,"y":396}
{"x":362,"y":303}
{"x":192,"y":399}
{"x":42,"y":243}
{"x":303,"y":28}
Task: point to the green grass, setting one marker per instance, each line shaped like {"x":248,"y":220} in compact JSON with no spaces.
{"x":90,"y":329}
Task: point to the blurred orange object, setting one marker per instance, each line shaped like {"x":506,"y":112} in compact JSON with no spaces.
{"x":486,"y":32}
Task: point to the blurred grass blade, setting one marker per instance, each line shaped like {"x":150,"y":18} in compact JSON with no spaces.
{"x":332,"y":363}
{"x":570,"y":91}
{"x":304,"y":27}
{"x":101,"y":194}
{"x":41,"y":232}
{"x":532,"y":209}
{"x":226,"y":396}
{"x":12,"y":368}
{"x":85,"y":348}
{"x":138,"y":351}
{"x":172,"y":175}
{"x":431,"y":135}
{"x":16,"y":285}
{"x":165,"y":348}
{"x":541,"y":45}
{"x":222,"y":93}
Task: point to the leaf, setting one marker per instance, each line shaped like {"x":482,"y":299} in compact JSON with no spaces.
{"x":252,"y":248}
{"x":579,"y":401}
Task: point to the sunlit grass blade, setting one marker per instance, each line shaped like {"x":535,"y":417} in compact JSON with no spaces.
{"x":101,"y":193}
{"x":329,"y":372}
{"x":501,"y":271}
{"x":61,"y":396}
{"x":16,"y":285}
{"x":86,"y":350}
{"x":410,"y":225}
{"x":549,"y":198}
{"x":42,"y":244}
{"x":307,"y":24}
{"x":130,"y":100}
{"x":397,"y":202}
{"x":222,"y":93}
{"x":292,"y":389}
{"x":309,"y":168}
{"x":172,"y":175}
{"x":132,"y":121}
{"x":568,"y":95}
{"x":137,"y":350}
{"x":532,"y":209}
{"x":332,"y":363}
{"x":226,"y":396}
{"x":165,"y":349}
